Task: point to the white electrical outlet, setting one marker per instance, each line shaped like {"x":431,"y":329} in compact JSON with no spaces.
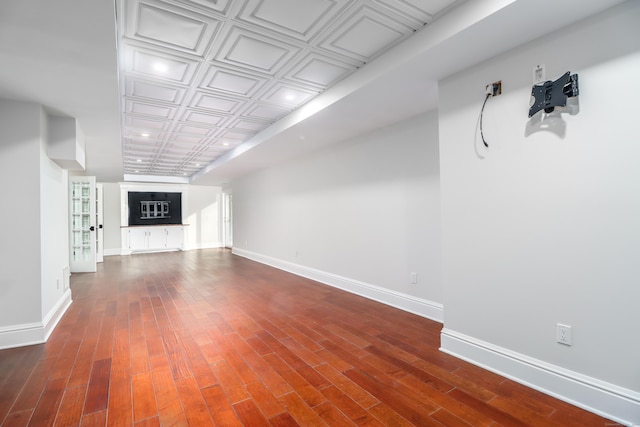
{"x":414,"y":278}
{"x":563,"y":334}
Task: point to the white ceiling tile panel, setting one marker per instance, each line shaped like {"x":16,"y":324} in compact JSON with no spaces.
{"x":208,"y":155}
{"x":139,"y":147}
{"x":154,"y":91}
{"x":406,"y":10}
{"x":204,"y":118}
{"x":289,"y":95}
{"x":145,"y":124}
{"x":234,"y":135}
{"x":136,"y":159}
{"x":268,"y":112}
{"x":179,"y":138}
{"x":233,"y":82}
{"x":256,"y":52}
{"x":173,"y":153}
{"x":431,"y":7}
{"x":142,"y":137}
{"x":192,"y":130}
{"x":247,"y":125}
{"x":168,"y":159}
{"x":161,"y":65}
{"x":301,"y":19}
{"x":365,"y":33}
{"x":218,"y":103}
{"x":146,"y":109}
{"x":321,"y":71}
{"x":166,"y":25}
{"x":221,"y":6}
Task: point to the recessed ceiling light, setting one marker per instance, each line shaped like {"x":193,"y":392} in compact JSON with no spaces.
{"x":139,"y":160}
{"x":289,"y":97}
{"x":160,"y":67}
{"x":137,"y":171}
{"x":144,"y":134}
{"x":225,"y":143}
{"x":197,"y":164}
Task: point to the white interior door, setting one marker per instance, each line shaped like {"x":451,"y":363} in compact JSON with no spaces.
{"x":227,"y":220}
{"x":82,"y":224}
{"x":99,"y":228}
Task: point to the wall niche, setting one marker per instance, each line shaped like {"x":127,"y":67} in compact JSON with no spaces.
{"x":154,"y":208}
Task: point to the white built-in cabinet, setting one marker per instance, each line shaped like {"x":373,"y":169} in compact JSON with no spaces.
{"x":174,"y":237}
{"x":155,"y":238}
{"x":151,"y":238}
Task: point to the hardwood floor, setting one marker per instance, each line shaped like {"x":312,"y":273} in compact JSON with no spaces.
{"x":204,"y":338}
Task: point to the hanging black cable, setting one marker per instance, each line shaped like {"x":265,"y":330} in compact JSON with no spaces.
{"x":481,"y":113}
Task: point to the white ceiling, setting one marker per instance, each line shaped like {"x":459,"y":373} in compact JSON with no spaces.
{"x":248,"y":83}
{"x":199,"y":78}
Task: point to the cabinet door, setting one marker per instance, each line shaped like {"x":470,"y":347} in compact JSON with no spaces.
{"x":156,"y":238}
{"x":138,"y":239}
{"x":82,"y":224}
{"x":175,"y":237}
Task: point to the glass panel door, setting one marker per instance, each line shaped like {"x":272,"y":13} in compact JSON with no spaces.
{"x":82,"y":207}
{"x":99,"y":222}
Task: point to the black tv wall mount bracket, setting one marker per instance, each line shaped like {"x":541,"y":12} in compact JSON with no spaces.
{"x":549,"y":95}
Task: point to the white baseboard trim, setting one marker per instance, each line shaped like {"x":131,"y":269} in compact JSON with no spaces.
{"x":112,"y":252}
{"x":415,"y":305}
{"x":608,"y":400}
{"x":21,"y":335}
{"x":124,"y":252}
{"x":210,"y":245}
{"x":55,"y":314}
{"x":37,"y":332}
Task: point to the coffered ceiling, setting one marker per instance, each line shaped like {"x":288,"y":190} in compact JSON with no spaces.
{"x":199,"y":78}
{"x":204,"y":91}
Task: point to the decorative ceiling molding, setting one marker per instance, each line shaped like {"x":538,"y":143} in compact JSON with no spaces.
{"x":201,"y":77}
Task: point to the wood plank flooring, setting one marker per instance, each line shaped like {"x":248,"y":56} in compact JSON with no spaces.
{"x":205,"y":338}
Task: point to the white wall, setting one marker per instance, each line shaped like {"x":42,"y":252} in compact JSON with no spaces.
{"x":545,"y":228}
{"x":204,"y":216}
{"x":54,"y":225}
{"x":20,"y":129}
{"x":361,"y":215}
{"x":34,"y":245}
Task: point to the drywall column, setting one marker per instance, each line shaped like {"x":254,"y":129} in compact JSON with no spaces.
{"x":54,"y":235}
{"x":34,"y":257}
{"x":20,"y":139}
